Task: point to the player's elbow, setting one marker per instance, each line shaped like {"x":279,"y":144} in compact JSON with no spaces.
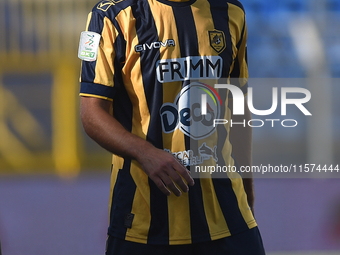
{"x":87,"y":122}
{"x":87,"y":116}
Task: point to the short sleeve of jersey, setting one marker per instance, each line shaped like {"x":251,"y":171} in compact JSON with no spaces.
{"x":98,"y":77}
{"x":239,"y":72}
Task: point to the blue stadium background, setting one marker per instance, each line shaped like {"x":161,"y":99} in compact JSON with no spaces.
{"x":54,"y":181}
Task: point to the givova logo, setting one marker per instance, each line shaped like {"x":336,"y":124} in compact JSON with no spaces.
{"x":185,"y":113}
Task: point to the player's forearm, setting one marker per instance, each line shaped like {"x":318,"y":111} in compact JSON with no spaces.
{"x":160,"y":166}
{"x":108,"y":132}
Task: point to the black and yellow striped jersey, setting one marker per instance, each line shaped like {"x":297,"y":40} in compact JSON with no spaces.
{"x":155,"y":58}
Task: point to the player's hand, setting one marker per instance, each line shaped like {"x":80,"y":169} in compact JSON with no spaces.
{"x":165,"y":171}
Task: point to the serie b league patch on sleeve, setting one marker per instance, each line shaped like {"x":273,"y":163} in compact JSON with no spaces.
{"x":88,"y":46}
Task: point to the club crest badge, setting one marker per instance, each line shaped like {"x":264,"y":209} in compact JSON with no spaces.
{"x":217,"y":40}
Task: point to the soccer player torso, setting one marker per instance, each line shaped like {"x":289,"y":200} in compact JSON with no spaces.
{"x":156,"y":60}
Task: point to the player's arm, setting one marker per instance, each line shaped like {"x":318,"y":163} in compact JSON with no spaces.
{"x":160,"y":166}
{"x":104,"y":129}
{"x":241,"y":139}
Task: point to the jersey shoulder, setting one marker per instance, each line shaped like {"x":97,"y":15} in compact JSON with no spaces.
{"x":237,"y":3}
{"x":221,"y":4}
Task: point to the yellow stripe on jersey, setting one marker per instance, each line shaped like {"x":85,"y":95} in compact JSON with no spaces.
{"x":91,"y":95}
{"x":88,"y":21}
{"x":106,"y":54}
{"x":236,"y":180}
{"x":117,"y":162}
{"x":236,"y":19}
{"x":238,"y":32}
{"x":237,"y":184}
{"x":227,"y":148}
{"x":179,"y":227}
{"x":235,"y":16}
{"x":140,"y":206}
{"x":215,"y":218}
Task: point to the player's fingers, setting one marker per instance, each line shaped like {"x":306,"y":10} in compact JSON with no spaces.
{"x":184,"y":173}
{"x":170,"y":184}
{"x":160,"y":184}
{"x":176,"y":177}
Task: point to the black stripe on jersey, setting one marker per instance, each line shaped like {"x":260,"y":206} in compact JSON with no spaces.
{"x":177,"y":4}
{"x":235,"y":73}
{"x":198,"y":220}
{"x":122,"y":199}
{"x":188,"y":43}
{"x":120,"y":47}
{"x":221,"y":22}
{"x":230,"y":209}
{"x":123,"y":114}
{"x":159,"y":225}
{"x":99,"y":90}
{"x":186,"y":30}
